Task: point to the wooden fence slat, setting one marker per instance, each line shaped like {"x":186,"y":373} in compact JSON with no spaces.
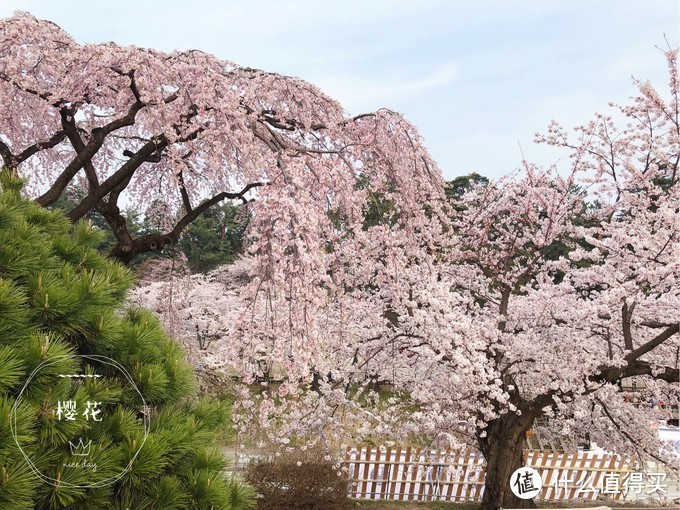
{"x":460,"y":475}
{"x":374,"y":472}
{"x":448,"y":479}
{"x":394,"y":473}
{"x":599,"y":474}
{"x":590,"y":479}
{"x":612,"y":468}
{"x":354,"y":470}
{"x":558,"y":466}
{"x":449,"y":476}
{"x":440,"y":473}
{"x":404,"y":474}
{"x":584,"y":477}
{"x":366,"y":473}
{"x":466,"y":476}
{"x":418,"y":476}
{"x":442,"y":477}
{"x":537,"y":459}
{"x":435,"y":476}
{"x":386,"y":473}
{"x":548,"y":464}
{"x":561,"y":490}
{"x":625,"y":465}
{"x":350,"y":472}
{"x":411,"y":474}
{"x":481,"y":474}
{"x":422,"y":459}
{"x":378,"y":473}
{"x":360,"y":475}
{"x":571,"y":464}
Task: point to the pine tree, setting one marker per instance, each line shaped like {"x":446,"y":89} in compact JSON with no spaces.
{"x":147,"y":440}
{"x":213,"y":239}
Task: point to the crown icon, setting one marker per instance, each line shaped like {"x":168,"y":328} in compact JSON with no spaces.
{"x":80,"y":449}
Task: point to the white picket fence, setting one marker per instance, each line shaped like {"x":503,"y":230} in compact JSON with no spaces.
{"x":414,"y":474}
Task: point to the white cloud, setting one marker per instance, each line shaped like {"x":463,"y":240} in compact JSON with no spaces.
{"x":361,"y":92}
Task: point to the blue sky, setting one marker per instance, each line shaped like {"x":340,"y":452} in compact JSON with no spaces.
{"x":478,"y":78}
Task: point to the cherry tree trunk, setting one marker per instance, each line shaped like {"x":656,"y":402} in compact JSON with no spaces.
{"x":503,"y":448}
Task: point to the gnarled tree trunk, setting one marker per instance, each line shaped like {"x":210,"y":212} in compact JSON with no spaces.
{"x":502,"y":448}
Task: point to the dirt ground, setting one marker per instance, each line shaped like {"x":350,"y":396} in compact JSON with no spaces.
{"x":408,"y":505}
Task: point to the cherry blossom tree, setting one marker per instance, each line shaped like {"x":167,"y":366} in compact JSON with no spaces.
{"x":559,"y":329}
{"x":190,"y":130}
{"x":540,"y":295}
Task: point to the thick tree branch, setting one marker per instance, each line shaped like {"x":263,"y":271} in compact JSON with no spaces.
{"x":71,"y":130}
{"x":652,"y":344}
{"x":196,"y":212}
{"x":664,"y":373}
{"x":656,"y":324}
{"x":125,"y":251}
{"x":117,"y":222}
{"x":183,"y":191}
{"x":60,"y":183}
{"x":95,"y":143}
{"x":124,"y":173}
{"x":7,"y":156}
{"x":53,"y":141}
{"x":614,"y":375}
{"x":626,"y":315}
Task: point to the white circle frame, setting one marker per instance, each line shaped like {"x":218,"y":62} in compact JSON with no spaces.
{"x":60,"y":483}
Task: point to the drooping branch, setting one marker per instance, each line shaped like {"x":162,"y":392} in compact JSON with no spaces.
{"x":45,"y":96}
{"x":622,"y":430}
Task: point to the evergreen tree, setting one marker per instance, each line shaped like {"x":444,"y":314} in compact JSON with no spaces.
{"x":69,"y":200}
{"x":138,"y":225}
{"x":97,"y":405}
{"x":458,"y":186}
{"x":213,"y":239}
